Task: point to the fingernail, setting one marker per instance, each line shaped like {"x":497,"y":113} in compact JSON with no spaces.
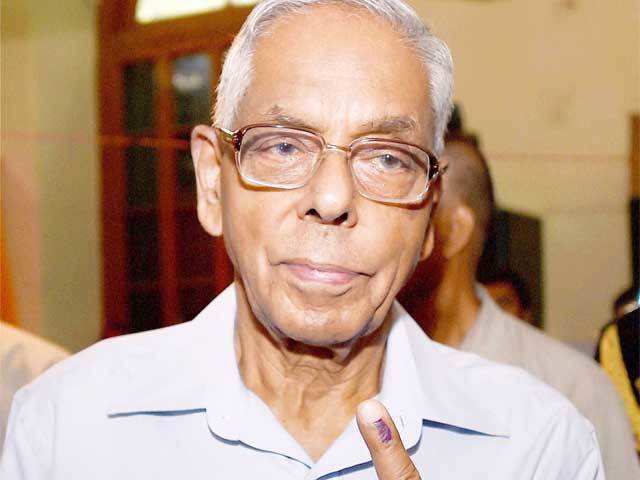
{"x":384,"y":432}
{"x":370,"y":412}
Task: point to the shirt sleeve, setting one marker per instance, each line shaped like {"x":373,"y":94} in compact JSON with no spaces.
{"x":591,"y":467}
{"x":27,"y":450}
{"x":567,"y":449}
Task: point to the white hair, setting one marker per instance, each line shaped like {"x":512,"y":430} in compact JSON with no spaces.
{"x":432,"y":52}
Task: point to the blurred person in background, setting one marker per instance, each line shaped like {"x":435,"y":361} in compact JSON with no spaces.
{"x":618,"y":352}
{"x":23,"y":357}
{"x":446,"y":300}
{"x":511,"y":294}
{"x":627,"y":302}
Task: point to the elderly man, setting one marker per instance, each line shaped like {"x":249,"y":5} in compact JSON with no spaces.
{"x":453,"y":309}
{"x":320,"y":175}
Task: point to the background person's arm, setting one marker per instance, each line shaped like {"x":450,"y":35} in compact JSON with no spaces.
{"x":27,"y":450}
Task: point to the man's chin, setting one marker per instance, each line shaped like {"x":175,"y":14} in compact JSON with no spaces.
{"x":318,"y":333}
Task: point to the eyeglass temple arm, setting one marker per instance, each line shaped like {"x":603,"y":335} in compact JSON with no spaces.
{"x":440,"y":170}
{"x":229,"y":136}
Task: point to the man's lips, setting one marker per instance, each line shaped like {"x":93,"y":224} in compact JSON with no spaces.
{"x":320,"y":272}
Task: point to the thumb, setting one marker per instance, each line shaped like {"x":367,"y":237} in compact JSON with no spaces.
{"x":391,"y":460}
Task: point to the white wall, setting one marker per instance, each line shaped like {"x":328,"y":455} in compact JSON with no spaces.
{"x":549,"y":86}
{"x":50,"y":195}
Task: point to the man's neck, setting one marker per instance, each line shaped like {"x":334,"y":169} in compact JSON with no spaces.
{"x":450,"y":309}
{"x":314,"y":392}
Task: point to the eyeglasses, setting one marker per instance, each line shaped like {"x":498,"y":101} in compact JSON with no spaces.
{"x":384,"y":170}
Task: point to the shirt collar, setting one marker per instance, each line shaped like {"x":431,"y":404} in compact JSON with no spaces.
{"x":194,"y":356}
{"x":448,"y":380}
{"x":422,"y":382}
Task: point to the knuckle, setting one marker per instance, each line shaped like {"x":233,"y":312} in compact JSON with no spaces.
{"x":407,"y":471}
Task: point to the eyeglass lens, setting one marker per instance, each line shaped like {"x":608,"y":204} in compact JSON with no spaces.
{"x":286,"y":158}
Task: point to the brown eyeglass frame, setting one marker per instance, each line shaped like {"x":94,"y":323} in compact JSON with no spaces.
{"x":234,"y":138}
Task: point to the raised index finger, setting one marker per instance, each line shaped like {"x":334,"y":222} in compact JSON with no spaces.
{"x":391,"y":460}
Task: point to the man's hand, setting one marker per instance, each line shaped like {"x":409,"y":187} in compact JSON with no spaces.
{"x":391,"y":460}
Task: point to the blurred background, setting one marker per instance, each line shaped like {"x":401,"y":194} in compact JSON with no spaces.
{"x":99,"y":231}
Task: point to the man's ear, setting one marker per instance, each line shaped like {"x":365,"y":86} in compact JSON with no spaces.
{"x":429,"y":239}
{"x":461,"y":227}
{"x":207,"y":158}
{"x":429,"y":242}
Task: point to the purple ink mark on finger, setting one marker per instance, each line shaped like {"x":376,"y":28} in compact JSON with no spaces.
{"x":384,"y":432}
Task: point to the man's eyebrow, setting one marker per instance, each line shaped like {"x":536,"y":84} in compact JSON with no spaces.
{"x":277,"y":115}
{"x":391,"y":124}
{"x":386,"y":125}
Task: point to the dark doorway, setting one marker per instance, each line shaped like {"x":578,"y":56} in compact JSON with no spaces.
{"x":515,"y":244}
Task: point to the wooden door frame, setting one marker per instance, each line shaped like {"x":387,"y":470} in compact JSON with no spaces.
{"x":122,"y":41}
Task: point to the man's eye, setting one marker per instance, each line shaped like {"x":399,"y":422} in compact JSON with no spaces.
{"x":390,"y":162}
{"x":284,"y":148}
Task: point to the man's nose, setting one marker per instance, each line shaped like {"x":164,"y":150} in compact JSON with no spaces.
{"x":329,"y":197}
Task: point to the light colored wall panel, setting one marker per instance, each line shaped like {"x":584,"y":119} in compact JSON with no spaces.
{"x":20,"y":187}
{"x":49,"y":126}
{"x":587,"y":264}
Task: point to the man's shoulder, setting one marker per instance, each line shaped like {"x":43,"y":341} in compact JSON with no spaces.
{"x":552,"y":361}
{"x":534,"y":412}
{"x":567,"y":371}
{"x":519,"y":400}
{"x":146,"y":359}
{"x":510,"y":387}
{"x":113,"y":365}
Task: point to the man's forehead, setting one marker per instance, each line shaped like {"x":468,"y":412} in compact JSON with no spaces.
{"x":375,"y":122}
{"x":325,"y":72}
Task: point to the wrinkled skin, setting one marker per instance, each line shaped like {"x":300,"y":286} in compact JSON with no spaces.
{"x":340,"y":89}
